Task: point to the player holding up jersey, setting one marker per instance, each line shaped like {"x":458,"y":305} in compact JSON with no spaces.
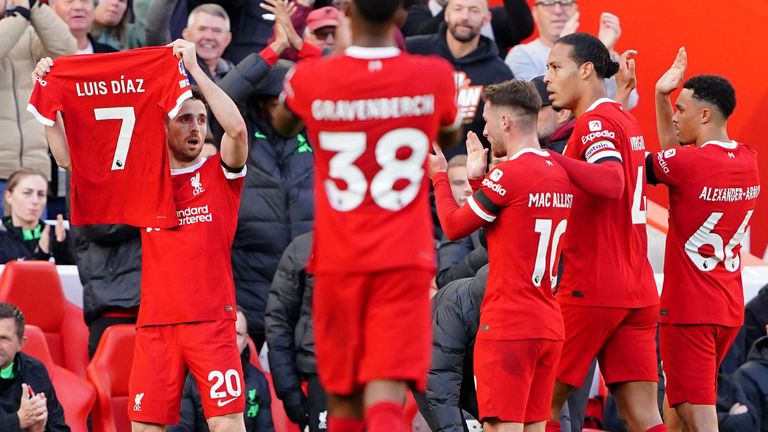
{"x":372,"y":121}
{"x":713,"y":187}
{"x":524,"y":202}
{"x":607,"y":293}
{"x":187,"y":313}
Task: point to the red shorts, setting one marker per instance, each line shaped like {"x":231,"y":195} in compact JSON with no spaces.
{"x":623,"y":340}
{"x":515,"y":379}
{"x":161,"y":358}
{"x":691,"y":355}
{"x":372,"y":326}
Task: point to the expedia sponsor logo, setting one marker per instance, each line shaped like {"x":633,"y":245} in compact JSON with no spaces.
{"x":597,"y":147}
{"x":595,"y":125}
{"x":662,"y":163}
{"x":496,"y":175}
{"x":494,"y":186}
{"x":595,"y":135}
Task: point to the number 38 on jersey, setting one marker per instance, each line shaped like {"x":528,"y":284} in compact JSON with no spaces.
{"x":393,"y":186}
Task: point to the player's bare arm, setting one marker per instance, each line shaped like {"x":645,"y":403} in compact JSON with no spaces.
{"x":234,"y":143}
{"x":57,"y":138}
{"x":626,"y":78}
{"x":669,"y":82}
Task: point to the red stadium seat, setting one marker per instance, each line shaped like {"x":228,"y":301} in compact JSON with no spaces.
{"x":35,"y":288}
{"x":109,"y":372}
{"x":75,"y":394}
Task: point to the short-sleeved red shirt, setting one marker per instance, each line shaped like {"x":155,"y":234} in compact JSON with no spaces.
{"x":712,"y":194}
{"x":372,"y":114}
{"x":114,"y":108}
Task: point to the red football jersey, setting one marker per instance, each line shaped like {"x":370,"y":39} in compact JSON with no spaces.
{"x":605,"y":260}
{"x":528,"y":199}
{"x":114,"y":108}
{"x":372,"y":118}
{"x":186,"y":272}
{"x":712,"y":194}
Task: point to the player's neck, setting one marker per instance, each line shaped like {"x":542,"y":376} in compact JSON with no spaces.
{"x":591,"y":95}
{"x":515,"y":143}
{"x":458,"y":48}
{"x":712,"y":134}
{"x":177,"y":164}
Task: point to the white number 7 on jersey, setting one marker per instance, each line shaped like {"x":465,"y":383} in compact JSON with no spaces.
{"x":128,"y":118}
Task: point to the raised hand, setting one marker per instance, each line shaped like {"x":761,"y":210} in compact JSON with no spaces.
{"x":477,"y":157}
{"x":45,"y":239}
{"x":42,"y":68}
{"x":32,"y":408}
{"x":572,"y":25}
{"x":626,"y":78}
{"x":61,"y":232}
{"x":436,"y":162}
{"x":673,"y":77}
{"x":610,"y":30}
{"x":185,"y":50}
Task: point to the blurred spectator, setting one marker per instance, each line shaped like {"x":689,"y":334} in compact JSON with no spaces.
{"x":109,"y":266}
{"x":554,"y":127}
{"x":78,"y":14}
{"x":208,"y":26}
{"x":474,"y":56}
{"x":755,"y":320}
{"x":291,"y":339}
{"x":23,"y":235}
{"x":29,"y":33}
{"x":27,"y":399}
{"x":509,"y":25}
{"x":257,"y":413}
{"x":277,"y":201}
{"x":742,"y":405}
{"x":554,"y":19}
{"x":113,"y":24}
{"x":321,"y":28}
{"x":250,"y":24}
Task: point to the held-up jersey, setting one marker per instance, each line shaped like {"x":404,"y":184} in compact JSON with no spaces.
{"x":114,"y":108}
{"x":712,"y":195}
{"x":186,"y":273}
{"x":524,"y":203}
{"x":372,"y":121}
{"x":605,"y":259}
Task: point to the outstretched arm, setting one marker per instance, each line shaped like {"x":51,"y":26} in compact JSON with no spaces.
{"x":603,"y":179}
{"x":669,"y":82}
{"x":57,"y":138}
{"x":234,"y":143}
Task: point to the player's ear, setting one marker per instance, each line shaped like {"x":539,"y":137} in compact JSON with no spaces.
{"x":705,"y":115}
{"x":586,"y":69}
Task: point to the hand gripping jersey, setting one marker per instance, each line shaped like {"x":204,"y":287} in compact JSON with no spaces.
{"x":114,"y":108}
{"x":372,"y":115}
{"x":605,"y":259}
{"x":712,"y":194}
{"x":186,"y":273}
{"x":528,"y":200}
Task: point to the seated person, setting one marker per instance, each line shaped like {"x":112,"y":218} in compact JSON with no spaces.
{"x":23,"y":235}
{"x":27,"y":399}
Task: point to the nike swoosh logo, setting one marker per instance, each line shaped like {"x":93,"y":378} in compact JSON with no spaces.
{"x":221,"y":403}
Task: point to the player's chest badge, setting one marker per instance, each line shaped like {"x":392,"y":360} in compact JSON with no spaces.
{"x":197,"y":184}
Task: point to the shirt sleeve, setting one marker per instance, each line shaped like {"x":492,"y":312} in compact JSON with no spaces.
{"x":596,"y":140}
{"x":667,"y":166}
{"x":46,"y":99}
{"x":490,"y":198}
{"x":176,"y":84}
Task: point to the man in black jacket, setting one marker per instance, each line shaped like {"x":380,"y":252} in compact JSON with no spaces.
{"x":109,"y":266}
{"x":277,"y":201}
{"x":27,"y":399}
{"x":474,"y":57}
{"x":257,"y":413}
{"x":290,"y":337}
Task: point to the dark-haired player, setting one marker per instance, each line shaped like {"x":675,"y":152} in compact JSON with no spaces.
{"x":607,"y":293}
{"x":372,"y":115}
{"x":713,"y":187}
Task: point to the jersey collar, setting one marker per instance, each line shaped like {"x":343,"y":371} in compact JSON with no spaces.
{"x":528,"y":150}
{"x":726,"y":145}
{"x":188,"y":169}
{"x":598,"y":102}
{"x":371,"y":53}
